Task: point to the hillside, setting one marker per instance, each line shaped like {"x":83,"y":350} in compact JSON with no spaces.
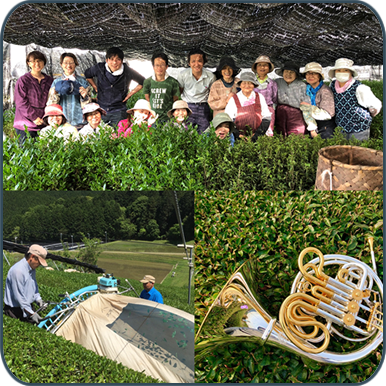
{"x":35,"y":355}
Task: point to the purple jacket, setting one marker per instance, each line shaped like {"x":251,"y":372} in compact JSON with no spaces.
{"x":30,"y":100}
{"x":270,"y":93}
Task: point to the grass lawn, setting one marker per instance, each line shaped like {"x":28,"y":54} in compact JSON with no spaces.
{"x":143,"y":246}
{"x":135,"y":270}
{"x":181,"y":276}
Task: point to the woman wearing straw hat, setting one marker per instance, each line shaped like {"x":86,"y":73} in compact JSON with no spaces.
{"x":355,"y":103}
{"x":57,"y":124}
{"x":248,"y":109}
{"x":139,"y":114}
{"x":291,"y":91}
{"x":322,"y":106}
{"x":224,"y":87}
{"x":266,"y":86}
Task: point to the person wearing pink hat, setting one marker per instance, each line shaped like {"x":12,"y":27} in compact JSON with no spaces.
{"x":57,"y":124}
{"x":92,"y":113}
{"x":139,"y":114}
{"x":21,"y":288}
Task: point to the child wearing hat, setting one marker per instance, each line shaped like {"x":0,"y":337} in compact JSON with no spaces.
{"x":92,"y":113}
{"x":266,"y":86}
{"x":57,"y":125}
{"x":355,"y":103}
{"x":139,"y":114}
{"x":291,"y":91}
{"x":179,"y":113}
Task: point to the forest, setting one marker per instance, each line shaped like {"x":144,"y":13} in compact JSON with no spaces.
{"x":56,"y":216}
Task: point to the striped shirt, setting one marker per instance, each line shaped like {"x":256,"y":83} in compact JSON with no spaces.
{"x":292,"y":94}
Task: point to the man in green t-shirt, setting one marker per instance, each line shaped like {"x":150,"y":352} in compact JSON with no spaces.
{"x":161,"y":90}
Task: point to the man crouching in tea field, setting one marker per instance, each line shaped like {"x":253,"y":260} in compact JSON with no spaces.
{"x":21,"y":288}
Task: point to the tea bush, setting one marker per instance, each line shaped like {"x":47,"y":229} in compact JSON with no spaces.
{"x":376,"y":129}
{"x":273,"y":228}
{"x":168,"y":158}
{"x":35,"y":356}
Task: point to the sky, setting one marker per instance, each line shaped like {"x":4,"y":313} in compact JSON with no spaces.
{"x":6,"y":6}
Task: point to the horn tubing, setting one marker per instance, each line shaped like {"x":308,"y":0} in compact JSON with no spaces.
{"x":259,"y":327}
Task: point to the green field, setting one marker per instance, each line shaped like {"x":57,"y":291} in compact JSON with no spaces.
{"x":144,"y":246}
{"x":135,"y":270}
{"x":181,"y":276}
{"x":134,"y":259}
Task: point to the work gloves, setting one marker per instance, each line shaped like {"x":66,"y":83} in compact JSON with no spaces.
{"x":39,"y":302}
{"x":36,"y":318}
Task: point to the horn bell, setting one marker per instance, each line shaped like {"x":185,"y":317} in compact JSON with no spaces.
{"x":348,"y":306}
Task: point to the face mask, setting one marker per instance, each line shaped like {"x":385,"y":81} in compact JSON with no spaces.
{"x":342,"y":77}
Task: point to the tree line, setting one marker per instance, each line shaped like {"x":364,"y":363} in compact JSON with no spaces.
{"x":56,"y":216}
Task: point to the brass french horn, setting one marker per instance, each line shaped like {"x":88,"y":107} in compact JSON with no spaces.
{"x":348,"y":306}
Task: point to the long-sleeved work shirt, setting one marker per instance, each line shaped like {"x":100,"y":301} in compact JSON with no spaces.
{"x":30,"y":100}
{"x":21,"y":288}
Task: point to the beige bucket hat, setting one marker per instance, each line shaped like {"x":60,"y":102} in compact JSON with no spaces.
{"x":342,"y":63}
{"x":313,"y":67}
{"x":247,"y":77}
{"x":142,"y":104}
{"x":180,"y":104}
{"x":147,"y":279}
{"x":263,"y":59}
{"x":39,"y":252}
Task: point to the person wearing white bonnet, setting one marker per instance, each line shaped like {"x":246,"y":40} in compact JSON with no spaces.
{"x":92,"y":113}
{"x":21,"y":288}
{"x":322,"y":106}
{"x":355,"y":103}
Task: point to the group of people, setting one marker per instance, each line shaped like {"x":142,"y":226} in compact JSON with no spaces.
{"x":245,"y":105}
{"x":22,"y":299}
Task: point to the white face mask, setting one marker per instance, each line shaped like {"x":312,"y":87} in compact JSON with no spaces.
{"x":342,"y":77}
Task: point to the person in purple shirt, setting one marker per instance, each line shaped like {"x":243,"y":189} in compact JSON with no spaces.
{"x":31,"y":94}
